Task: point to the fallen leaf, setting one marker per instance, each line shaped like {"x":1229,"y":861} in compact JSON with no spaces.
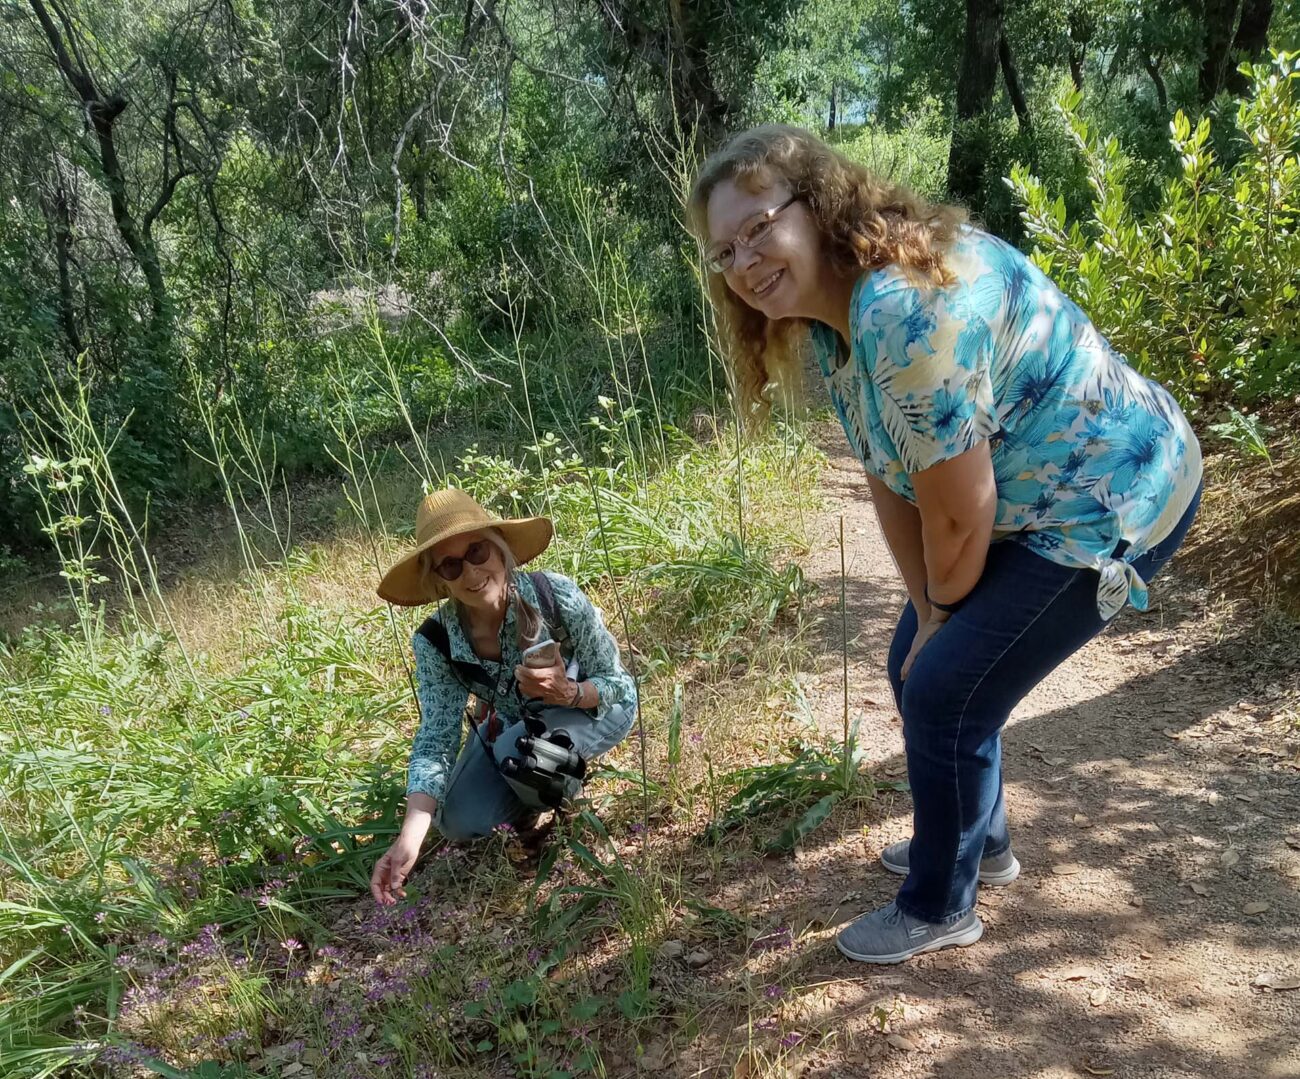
{"x":1258,"y":907}
{"x":1053,"y":761}
{"x":898,"y":1041}
{"x":1229,"y":857}
{"x":1098,"y":1071}
{"x":1098,"y":996}
{"x":1068,"y":869}
{"x":1199,"y":888}
{"x":1144,"y":955}
{"x":1169,"y":732}
{"x":1080,"y":821}
{"x":1074,"y":974}
{"x":1293,"y":841}
{"x":1276,"y":982}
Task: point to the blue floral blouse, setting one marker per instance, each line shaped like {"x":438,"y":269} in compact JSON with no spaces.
{"x":443,"y":696}
{"x":1086,"y":452}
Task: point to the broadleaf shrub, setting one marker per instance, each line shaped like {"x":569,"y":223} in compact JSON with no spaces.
{"x":1199,"y":291}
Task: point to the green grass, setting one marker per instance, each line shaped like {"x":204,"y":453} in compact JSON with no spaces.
{"x":152,"y":790}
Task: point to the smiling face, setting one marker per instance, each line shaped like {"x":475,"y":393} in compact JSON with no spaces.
{"x":783,"y":275}
{"x":482,"y":587}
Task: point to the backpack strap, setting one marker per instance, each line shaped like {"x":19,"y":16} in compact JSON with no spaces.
{"x":471,"y":675}
{"x":550,"y":609}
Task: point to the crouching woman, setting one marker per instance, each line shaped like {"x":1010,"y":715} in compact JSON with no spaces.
{"x":550,"y":692}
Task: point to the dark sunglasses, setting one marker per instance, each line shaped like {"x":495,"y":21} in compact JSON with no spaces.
{"x":475,"y":554}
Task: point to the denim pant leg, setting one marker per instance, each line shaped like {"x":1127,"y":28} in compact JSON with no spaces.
{"x":477,"y":797}
{"x":591,"y":736}
{"x":998,"y":838}
{"x":1024,"y":618}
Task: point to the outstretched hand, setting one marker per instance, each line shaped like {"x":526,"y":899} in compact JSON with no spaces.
{"x":391,"y":871}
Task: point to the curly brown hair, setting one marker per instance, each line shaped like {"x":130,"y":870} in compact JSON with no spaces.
{"x":865,"y":221}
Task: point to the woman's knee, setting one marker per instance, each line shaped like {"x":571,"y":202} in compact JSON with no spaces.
{"x":591,"y":736}
{"x":463,"y":818}
{"x":930,"y":700}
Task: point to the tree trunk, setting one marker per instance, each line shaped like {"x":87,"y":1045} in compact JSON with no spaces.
{"x":59,"y":215}
{"x":696,"y":100}
{"x":1251,"y":39}
{"x":101,"y":113}
{"x":1220,"y":28}
{"x":1082,"y":26}
{"x":1153,"y":69}
{"x":976,"y":82}
{"x":1077,"y":56}
{"x":1015,"y":90}
{"x":830,"y":123}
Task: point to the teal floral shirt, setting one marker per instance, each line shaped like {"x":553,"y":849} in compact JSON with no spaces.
{"x":443,"y":696}
{"x":1086,"y":452}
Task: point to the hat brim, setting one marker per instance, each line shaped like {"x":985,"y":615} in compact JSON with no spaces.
{"x":527,"y":537}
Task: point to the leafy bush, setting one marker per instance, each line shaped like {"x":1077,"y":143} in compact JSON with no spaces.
{"x":1199,"y":291}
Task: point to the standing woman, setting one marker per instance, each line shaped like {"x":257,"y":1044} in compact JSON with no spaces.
{"x":1028,"y":481}
{"x":534,"y":727}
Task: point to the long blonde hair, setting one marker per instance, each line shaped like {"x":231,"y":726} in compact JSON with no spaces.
{"x":865,"y":222}
{"x":529,"y":624}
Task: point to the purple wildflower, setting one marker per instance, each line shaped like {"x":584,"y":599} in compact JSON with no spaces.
{"x":781,"y":937}
{"x":534,"y":956}
{"x":105,"y":710}
{"x":772,"y":992}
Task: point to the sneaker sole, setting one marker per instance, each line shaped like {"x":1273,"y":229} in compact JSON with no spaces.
{"x":964,"y":939}
{"x":993,"y":880}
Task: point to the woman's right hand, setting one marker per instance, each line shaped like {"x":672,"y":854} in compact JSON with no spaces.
{"x":393,"y":868}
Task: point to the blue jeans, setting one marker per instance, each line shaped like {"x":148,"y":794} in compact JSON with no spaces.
{"x":478,"y":798}
{"x":1024,"y":618}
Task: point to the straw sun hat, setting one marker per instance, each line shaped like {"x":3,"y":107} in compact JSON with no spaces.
{"x":448,"y":513}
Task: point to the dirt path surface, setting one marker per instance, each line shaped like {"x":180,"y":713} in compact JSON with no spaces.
{"x":1153,"y":788}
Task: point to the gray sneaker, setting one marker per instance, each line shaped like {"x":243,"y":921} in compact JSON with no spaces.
{"x":996,"y":871}
{"x":888,"y":935}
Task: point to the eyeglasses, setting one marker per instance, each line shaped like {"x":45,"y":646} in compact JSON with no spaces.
{"x":753,"y":234}
{"x":475,"y":554}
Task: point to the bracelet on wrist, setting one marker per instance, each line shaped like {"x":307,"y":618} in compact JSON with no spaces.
{"x":947,"y":608}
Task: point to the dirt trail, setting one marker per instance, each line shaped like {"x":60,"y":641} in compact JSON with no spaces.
{"x":1152,"y":787}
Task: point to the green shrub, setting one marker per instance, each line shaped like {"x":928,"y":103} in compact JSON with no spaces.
{"x":1200,"y":290}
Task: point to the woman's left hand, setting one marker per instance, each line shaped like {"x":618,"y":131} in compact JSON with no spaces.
{"x":550,"y":684}
{"x":931,"y":626}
